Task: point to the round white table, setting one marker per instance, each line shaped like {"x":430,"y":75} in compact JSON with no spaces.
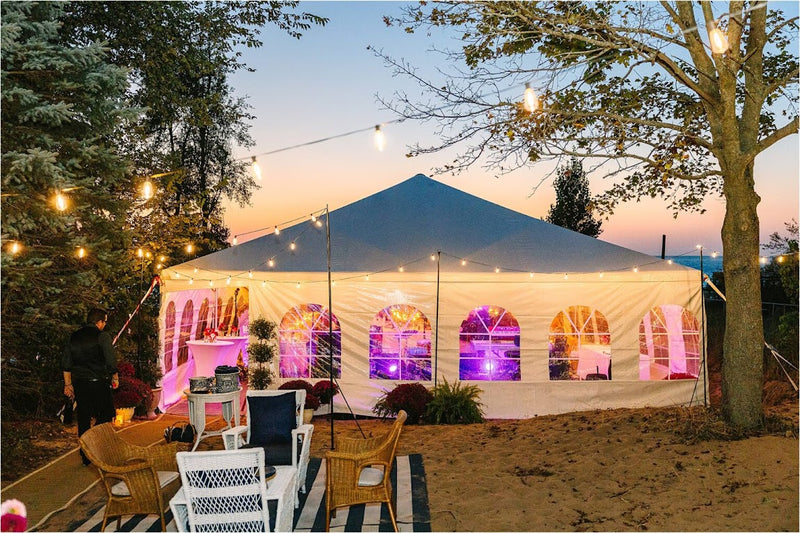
{"x":209,"y":355}
{"x":197,"y":411}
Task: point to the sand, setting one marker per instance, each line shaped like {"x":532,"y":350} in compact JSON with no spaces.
{"x":616,"y":470}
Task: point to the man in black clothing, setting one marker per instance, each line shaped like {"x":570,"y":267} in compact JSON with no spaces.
{"x":90,"y":372}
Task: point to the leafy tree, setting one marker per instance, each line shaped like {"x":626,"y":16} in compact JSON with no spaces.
{"x":573,"y":207}
{"x":62,"y":114}
{"x":636,"y":83}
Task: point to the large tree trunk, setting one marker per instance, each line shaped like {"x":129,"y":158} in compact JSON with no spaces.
{"x":742,"y":361}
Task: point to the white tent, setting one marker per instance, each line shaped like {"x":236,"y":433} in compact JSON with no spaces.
{"x":432,"y":283}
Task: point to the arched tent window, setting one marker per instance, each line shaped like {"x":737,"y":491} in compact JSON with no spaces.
{"x":489,"y":345}
{"x":669,"y":344}
{"x":580,"y":345}
{"x":169,"y":336}
{"x":400,"y":344}
{"x":202,"y":320}
{"x":304,"y":334}
{"x":186,"y":332}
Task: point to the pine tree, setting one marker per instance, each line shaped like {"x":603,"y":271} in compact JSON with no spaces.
{"x":61,"y":111}
{"x":573,"y":208}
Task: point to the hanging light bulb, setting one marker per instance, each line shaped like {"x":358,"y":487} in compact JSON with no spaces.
{"x":635,"y":269}
{"x":139,"y":253}
{"x":380,"y":139}
{"x":211,"y":283}
{"x":228,"y":281}
{"x":250,"y":274}
{"x":292,"y":246}
{"x":496,"y":270}
{"x":463,"y":262}
{"x":147,"y":190}
{"x":162,"y":259}
{"x":566,"y":276}
{"x":763,"y":260}
{"x":319,"y":223}
{"x":277,"y":231}
{"x":366,"y":277}
{"x":780,"y":259}
{"x":719,"y":43}
{"x":14,"y":248}
{"x":191,"y":281}
{"x":531,"y":274}
{"x":195,"y":270}
{"x":189,"y":248}
{"x":256,"y":169}
{"x":401,"y":269}
{"x":313,"y":217}
{"x":264,"y":283}
{"x":271,"y":263}
{"x":530,"y":100}
{"x":235,"y":240}
{"x":61,"y":201}
{"x":433,"y":257}
{"x":298,"y":285}
{"x":81,"y":252}
{"x":714,"y":254}
{"x":669,"y":261}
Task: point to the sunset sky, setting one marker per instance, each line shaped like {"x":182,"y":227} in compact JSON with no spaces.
{"x":325,"y":84}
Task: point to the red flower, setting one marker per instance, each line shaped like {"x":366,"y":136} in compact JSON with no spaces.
{"x":325,"y":391}
{"x":13,"y":522}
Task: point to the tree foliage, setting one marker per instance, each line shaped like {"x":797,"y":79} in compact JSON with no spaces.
{"x":62,"y":114}
{"x":573,"y":207}
{"x":635,"y":83}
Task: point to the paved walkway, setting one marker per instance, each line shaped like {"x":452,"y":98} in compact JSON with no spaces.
{"x":61,"y":481}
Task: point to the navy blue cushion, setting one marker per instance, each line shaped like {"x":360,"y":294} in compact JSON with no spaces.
{"x":272,"y":419}
{"x":276,"y":454}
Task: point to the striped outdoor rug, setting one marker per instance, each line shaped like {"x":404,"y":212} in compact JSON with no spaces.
{"x":408,"y":482}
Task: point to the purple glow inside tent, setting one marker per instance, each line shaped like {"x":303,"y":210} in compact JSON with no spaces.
{"x":489,"y":345}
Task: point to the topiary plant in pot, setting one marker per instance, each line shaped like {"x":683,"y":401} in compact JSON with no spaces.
{"x":262,"y":352}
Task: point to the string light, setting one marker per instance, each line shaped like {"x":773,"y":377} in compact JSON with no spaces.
{"x":763,"y":260}
{"x":235,"y":240}
{"x":380,"y":139}
{"x":530,"y":100}
{"x":162,"y":258}
{"x":401,"y":269}
{"x":271,"y":263}
{"x":14,"y":248}
{"x":256,"y":168}
{"x":61,"y":201}
{"x":277,"y":231}
{"x":81,"y":252}
{"x":635,"y":269}
{"x":566,"y":276}
{"x":189,"y":248}
{"x":496,"y":270}
{"x":463,"y":262}
{"x":211,"y":283}
{"x":191,"y":281}
{"x":780,"y":259}
{"x":433,"y":257}
{"x":140,"y":253}
{"x":669,"y":261}
{"x":366,"y":277}
{"x":298,"y":285}
{"x":719,"y":43}
{"x":530,"y":274}
{"x":292,"y":246}
{"x":147,"y":190}
{"x":313,"y":217}
{"x":195,"y":270}
{"x":601,"y":274}
{"x":228,"y":281}
{"x":250,"y":274}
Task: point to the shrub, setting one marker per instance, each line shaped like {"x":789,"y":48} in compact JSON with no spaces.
{"x":125,"y":369}
{"x":455,"y":404}
{"x":325,"y":391}
{"x":131,"y":392}
{"x":412,"y":398}
{"x":262,"y":352}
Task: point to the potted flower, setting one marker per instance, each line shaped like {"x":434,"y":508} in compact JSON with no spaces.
{"x":131,"y":393}
{"x":210,"y":334}
{"x":325,"y":390}
{"x":312,"y":401}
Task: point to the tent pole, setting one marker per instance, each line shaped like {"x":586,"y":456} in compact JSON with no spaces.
{"x":330,"y":312}
{"x":703,"y":321}
{"x":436,"y":346}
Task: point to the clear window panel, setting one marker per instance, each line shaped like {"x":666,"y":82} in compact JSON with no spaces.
{"x":489,"y":345}
{"x":400,"y":344}
{"x":306,"y":345}
{"x":579,"y":345}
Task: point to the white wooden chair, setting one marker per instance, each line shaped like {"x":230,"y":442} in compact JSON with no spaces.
{"x":275,"y":423}
{"x":222,"y":491}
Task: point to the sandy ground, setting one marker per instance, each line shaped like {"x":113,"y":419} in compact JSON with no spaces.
{"x":616,"y":470}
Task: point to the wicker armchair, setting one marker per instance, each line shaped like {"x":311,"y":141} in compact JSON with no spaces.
{"x":359,"y":471}
{"x":136,"y":479}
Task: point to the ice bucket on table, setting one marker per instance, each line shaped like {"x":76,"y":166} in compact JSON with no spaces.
{"x":227,"y":378}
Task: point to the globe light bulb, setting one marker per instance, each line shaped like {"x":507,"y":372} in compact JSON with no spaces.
{"x":719,"y":43}
{"x":61,"y":201}
{"x":530,"y":100}
{"x":380,"y":139}
{"x":256,"y":169}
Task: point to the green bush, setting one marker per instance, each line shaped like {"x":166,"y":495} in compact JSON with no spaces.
{"x":455,"y":404}
{"x":412,"y":398}
{"x":262,"y":352}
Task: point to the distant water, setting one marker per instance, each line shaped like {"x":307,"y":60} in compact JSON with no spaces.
{"x":710,"y":264}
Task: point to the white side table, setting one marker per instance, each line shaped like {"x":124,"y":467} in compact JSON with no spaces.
{"x":282,"y":487}
{"x":197,"y":411}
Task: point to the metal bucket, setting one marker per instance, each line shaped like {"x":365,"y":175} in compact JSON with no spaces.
{"x":199,"y":384}
{"x":227,"y":378}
